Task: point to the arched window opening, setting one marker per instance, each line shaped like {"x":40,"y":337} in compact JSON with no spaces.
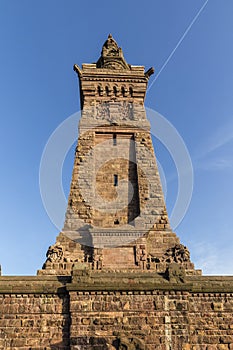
{"x":115,"y":90}
{"x":100,"y":90}
{"x":107,"y":90}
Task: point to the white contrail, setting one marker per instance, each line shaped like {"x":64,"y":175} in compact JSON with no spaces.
{"x":178,"y":44}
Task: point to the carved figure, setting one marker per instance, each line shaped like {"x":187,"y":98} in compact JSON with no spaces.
{"x":178,"y":254}
{"x":103,"y":111}
{"x":126,"y":111}
{"x":54,"y":253}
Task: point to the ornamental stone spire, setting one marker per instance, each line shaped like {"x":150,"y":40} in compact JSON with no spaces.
{"x":112,"y":56}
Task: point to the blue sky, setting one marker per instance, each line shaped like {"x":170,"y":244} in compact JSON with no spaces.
{"x":41,"y":40}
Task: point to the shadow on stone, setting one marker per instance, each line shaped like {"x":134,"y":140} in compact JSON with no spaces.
{"x":65,"y":343}
{"x":90,"y":343}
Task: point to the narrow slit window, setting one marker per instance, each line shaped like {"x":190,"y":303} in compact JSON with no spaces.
{"x":100,"y":90}
{"x":115,"y":180}
{"x":114,"y":140}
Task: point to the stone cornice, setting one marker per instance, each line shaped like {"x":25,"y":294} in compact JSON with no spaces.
{"x":129,"y":282}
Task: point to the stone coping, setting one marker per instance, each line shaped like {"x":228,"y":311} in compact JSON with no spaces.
{"x":37,"y":278}
{"x":33,"y":284}
{"x":112,"y":282}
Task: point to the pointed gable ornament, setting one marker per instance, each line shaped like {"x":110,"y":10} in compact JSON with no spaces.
{"x":112,"y":56}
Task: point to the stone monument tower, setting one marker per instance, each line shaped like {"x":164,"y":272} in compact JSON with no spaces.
{"x":116,"y":217}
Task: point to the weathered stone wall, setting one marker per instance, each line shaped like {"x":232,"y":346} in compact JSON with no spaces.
{"x":93,"y":194}
{"x":158,"y":319}
{"x":33,"y":314}
{"x":167,"y":317}
{"x":116,"y":181}
{"x":116,"y":311}
{"x":211,"y":320}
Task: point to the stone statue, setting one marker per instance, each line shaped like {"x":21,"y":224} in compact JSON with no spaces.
{"x":178,"y":254}
{"x":54,"y":253}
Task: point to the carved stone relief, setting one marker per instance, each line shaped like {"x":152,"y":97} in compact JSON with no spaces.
{"x":178,"y":254}
{"x":54,"y":253}
{"x":128,"y":343}
{"x":114,"y":111}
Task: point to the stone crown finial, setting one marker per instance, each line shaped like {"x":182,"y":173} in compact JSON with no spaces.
{"x":110,"y":44}
{"x":112,"y":56}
